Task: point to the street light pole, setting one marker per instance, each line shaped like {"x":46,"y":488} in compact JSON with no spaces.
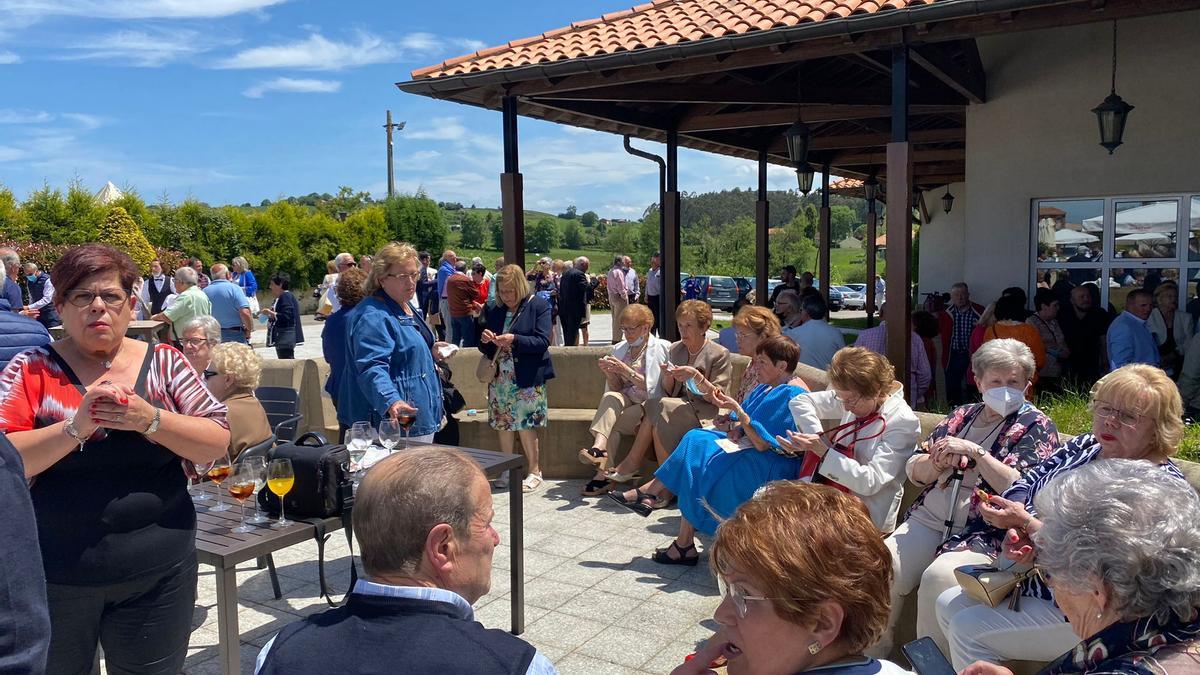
{"x":391,"y":184}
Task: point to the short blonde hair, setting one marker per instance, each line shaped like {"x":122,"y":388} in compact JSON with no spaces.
{"x":391,"y":254}
{"x":512,"y":276}
{"x":805,"y":544}
{"x":238,"y":360}
{"x":638,"y":314}
{"x":761,"y":320}
{"x":861,"y":371}
{"x":696,"y":310}
{"x":1148,"y":391}
{"x":1164,"y":288}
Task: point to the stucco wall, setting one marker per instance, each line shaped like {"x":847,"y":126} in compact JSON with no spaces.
{"x":1037,"y":137}
{"x":942,"y":241}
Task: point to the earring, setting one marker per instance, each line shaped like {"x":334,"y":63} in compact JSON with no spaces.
{"x":814,"y":648}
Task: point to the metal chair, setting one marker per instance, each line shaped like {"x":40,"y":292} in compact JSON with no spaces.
{"x":282,"y":405}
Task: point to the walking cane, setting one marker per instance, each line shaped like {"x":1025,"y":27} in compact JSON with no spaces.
{"x":956,"y":480}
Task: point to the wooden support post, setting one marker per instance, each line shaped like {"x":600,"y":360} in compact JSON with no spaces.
{"x":762,"y":226}
{"x":512,"y":196}
{"x":824,"y":232}
{"x":872,"y":252}
{"x":670,"y":253}
{"x":898,"y":309}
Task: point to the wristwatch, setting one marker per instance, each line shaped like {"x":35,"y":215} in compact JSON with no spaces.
{"x":154,"y":422}
{"x":979,"y":452}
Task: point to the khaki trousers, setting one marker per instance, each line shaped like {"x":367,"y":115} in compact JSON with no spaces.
{"x":618,"y":308}
{"x":674,"y":417}
{"x":616,"y":415}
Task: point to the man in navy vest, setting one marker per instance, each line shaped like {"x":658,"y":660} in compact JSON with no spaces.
{"x":424,"y":521}
{"x":157,"y":288}
{"x":41,"y":297}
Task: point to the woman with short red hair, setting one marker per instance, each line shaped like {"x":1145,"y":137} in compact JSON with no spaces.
{"x":102,"y":422}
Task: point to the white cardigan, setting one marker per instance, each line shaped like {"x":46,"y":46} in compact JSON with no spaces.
{"x":876,"y":472}
{"x":656,"y":355}
{"x":1182,"y":328}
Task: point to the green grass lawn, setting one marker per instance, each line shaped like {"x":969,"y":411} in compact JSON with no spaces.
{"x":850,"y":265}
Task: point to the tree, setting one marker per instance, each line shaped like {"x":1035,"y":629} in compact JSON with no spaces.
{"x":589,"y":218}
{"x":621,"y":239}
{"x":573,"y":235}
{"x":473,"y":231}
{"x":543,"y":236}
{"x":46,"y":215}
{"x":842,"y":221}
{"x":497,"y":229}
{"x":119,"y":231}
{"x":12,"y":221}
{"x":416,"y":219}
{"x":570,"y":214}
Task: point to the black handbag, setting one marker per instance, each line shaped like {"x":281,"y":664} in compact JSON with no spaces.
{"x":320,"y":467}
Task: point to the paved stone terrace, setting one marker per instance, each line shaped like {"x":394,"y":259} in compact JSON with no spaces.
{"x":595,"y":602}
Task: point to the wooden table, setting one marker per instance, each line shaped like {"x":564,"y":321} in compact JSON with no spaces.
{"x":219,"y":546}
{"x":150,"y":331}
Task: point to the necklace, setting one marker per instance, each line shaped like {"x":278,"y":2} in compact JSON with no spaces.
{"x":691,"y":353}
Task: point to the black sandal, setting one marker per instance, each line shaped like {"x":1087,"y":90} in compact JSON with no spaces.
{"x":663,"y":557}
{"x":619,"y":497}
{"x":646,"y":503}
{"x":593,"y":456}
{"x":597,"y":487}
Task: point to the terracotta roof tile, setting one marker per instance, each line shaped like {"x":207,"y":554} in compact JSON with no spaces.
{"x":658,"y":23}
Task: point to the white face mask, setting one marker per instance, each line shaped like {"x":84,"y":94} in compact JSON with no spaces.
{"x":638,"y":342}
{"x":1004,"y":400}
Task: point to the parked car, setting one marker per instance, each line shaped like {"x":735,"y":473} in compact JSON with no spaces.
{"x":720,"y":292}
{"x":835,"y":296}
{"x":852,"y":299}
{"x":752,"y":296}
{"x":861,"y":288}
{"x":745,"y":285}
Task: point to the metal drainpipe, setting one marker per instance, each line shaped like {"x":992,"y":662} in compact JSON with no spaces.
{"x":662,"y":189}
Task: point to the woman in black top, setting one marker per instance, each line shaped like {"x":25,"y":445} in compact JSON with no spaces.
{"x":104,"y":424}
{"x":284,"y":331}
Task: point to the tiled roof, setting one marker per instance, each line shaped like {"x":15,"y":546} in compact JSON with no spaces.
{"x":658,"y":24}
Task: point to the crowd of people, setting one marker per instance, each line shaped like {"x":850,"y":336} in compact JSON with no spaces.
{"x":794,"y":494}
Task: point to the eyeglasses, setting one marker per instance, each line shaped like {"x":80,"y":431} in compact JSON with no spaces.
{"x":411,"y":278}
{"x":193,"y":342}
{"x":847,"y":402}
{"x":737,"y":595}
{"x":208,"y":374}
{"x":1109,"y":411}
{"x":82,"y":298}
{"x":743,"y":335}
{"x":628,"y":329}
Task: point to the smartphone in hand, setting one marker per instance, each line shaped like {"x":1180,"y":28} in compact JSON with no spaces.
{"x":926,"y":658}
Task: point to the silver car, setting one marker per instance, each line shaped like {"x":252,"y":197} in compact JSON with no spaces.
{"x":852,"y":299}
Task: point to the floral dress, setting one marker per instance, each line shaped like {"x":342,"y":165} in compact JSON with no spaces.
{"x":511,"y":408}
{"x":1024,"y":440}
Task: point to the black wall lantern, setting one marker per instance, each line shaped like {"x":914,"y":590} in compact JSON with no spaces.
{"x":1113,"y":111}
{"x":871,"y":188}
{"x":798,"y":136}
{"x":947,"y":200}
{"x":804,"y":177}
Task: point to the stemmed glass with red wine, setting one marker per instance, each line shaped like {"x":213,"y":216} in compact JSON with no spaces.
{"x":406,"y":418}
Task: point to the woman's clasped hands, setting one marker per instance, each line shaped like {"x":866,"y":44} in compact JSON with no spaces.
{"x":502,"y":341}
{"x":114,"y":406}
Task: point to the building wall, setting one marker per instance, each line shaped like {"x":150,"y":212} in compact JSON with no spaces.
{"x":942,"y":241}
{"x":1037,"y":137}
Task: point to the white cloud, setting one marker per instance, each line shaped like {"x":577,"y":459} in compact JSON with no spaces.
{"x":7,"y":57}
{"x":11,"y":116}
{"x":34,"y":10}
{"x":87,"y":122}
{"x":11,"y":154}
{"x":437,"y":129}
{"x":142,"y":48}
{"x":424,"y":155}
{"x":316,"y":53}
{"x":293,"y":86}
{"x":421,"y":42}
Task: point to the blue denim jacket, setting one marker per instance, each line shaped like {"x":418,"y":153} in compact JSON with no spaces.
{"x":388,"y":358}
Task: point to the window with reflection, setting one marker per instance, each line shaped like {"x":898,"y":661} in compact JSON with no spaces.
{"x":1146,"y":229}
{"x":1070,"y":231}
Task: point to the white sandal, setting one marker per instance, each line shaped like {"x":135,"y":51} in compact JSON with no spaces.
{"x":532,"y":482}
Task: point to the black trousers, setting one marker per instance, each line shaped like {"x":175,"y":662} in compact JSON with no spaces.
{"x":655,"y":309}
{"x":570,"y":326}
{"x":144,"y":624}
{"x":285,"y":352}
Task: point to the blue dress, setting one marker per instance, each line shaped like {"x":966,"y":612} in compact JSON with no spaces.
{"x":706,"y":477}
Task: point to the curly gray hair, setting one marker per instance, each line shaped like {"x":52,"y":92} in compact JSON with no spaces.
{"x":1004,"y":354}
{"x":1128,"y":523}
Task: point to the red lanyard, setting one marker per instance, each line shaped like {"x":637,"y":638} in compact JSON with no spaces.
{"x":851,"y":429}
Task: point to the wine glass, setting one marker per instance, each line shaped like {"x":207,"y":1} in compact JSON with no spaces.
{"x":389,"y":434}
{"x":406,"y":418}
{"x":357,"y":442}
{"x":241,"y":486}
{"x":197,"y":473}
{"x":218,"y":472}
{"x":280,"y":479}
{"x":259,"y":466}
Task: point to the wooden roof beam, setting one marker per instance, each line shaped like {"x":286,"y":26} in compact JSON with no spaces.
{"x":970,"y":83}
{"x":810,"y":113}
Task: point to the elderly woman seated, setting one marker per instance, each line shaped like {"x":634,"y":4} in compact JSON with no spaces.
{"x":1136,"y":414}
{"x":632,"y":378}
{"x":695,"y":369}
{"x":198,"y":338}
{"x":232,"y":378}
{"x":979,"y":446}
{"x":714,"y":470}
{"x":805,"y":581}
{"x":866,"y":452}
{"x":1119,"y":542}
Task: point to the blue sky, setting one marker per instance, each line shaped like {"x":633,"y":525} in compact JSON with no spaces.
{"x":235,"y":101}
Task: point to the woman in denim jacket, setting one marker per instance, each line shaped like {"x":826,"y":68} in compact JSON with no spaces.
{"x":389,"y":350}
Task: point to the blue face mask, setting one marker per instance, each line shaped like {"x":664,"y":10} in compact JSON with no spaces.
{"x":693,"y":387}
{"x":31,"y":278}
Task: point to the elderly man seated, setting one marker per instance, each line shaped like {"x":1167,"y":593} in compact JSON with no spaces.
{"x":232,"y":378}
{"x":424,"y":521}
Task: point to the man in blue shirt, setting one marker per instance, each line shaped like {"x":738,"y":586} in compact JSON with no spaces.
{"x":230,"y":307}
{"x":424,"y":521}
{"x":1129,"y":340}
{"x":445,"y":271}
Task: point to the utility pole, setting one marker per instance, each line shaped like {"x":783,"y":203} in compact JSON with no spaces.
{"x":391,"y":171}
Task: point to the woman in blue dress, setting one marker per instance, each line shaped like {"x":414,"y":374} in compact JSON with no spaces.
{"x":714,"y":470}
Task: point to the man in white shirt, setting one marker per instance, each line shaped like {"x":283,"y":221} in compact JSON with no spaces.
{"x":817,"y":339}
{"x":344,"y":261}
{"x":631,"y":280}
{"x":156,"y":289}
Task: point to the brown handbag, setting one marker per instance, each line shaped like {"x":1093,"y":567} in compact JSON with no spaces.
{"x":991,"y":585}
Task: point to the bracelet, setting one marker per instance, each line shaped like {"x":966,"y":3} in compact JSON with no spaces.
{"x":70,"y":430}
